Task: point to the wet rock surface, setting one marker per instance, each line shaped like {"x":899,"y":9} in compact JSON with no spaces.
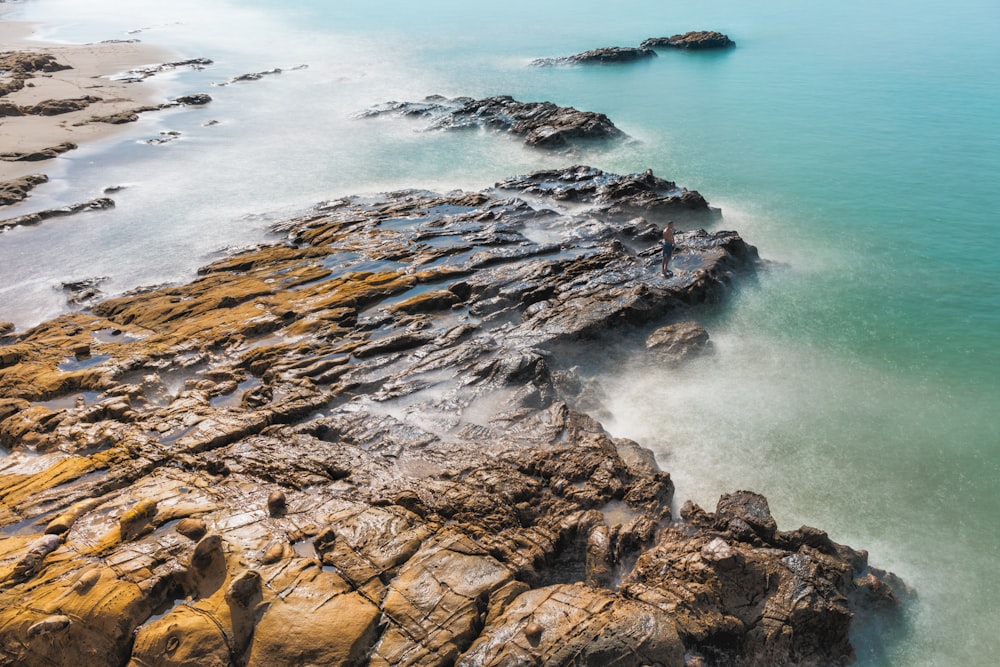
{"x":539,"y":124}
{"x":695,"y":40}
{"x":602,"y":56}
{"x":97,"y":204}
{"x":364,"y":446}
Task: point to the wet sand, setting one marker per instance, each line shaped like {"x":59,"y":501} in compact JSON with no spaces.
{"x":92,"y":66}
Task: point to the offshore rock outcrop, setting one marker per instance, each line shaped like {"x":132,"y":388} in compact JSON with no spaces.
{"x":603,"y":56}
{"x":362,"y":446}
{"x":695,"y":40}
{"x":98,"y":204}
{"x":539,"y":124}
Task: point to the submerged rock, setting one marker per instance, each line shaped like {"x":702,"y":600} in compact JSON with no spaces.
{"x":364,"y":445}
{"x":540,"y":124}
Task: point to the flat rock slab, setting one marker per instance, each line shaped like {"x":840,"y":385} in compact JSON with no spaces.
{"x":362,"y":445}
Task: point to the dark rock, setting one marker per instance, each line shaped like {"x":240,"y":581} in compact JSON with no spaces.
{"x":199,"y":99}
{"x":43,"y":154}
{"x":696,"y":40}
{"x":98,"y":204}
{"x":12,"y":192}
{"x":603,"y":56}
{"x":58,"y":107}
{"x":8,"y":109}
{"x":622,"y":197}
{"x":540,"y":124}
{"x":166,"y":136}
{"x":80,"y":292}
{"x":257,"y":76}
{"x":145,"y":72}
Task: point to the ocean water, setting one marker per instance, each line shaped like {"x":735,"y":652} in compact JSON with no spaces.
{"x":856,"y":144}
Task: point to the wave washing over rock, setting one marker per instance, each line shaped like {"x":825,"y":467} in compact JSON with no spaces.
{"x":362,"y":446}
{"x":541,"y":124}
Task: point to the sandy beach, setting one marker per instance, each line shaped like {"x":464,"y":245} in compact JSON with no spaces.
{"x":90,"y":68}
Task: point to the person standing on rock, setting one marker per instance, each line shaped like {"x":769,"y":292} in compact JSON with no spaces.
{"x":668,"y":248}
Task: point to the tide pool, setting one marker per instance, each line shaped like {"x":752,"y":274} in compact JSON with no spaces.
{"x":854,"y":381}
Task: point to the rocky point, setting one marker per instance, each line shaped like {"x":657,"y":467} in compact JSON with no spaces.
{"x":363,"y":445}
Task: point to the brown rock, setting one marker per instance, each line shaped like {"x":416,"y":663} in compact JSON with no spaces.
{"x":137,"y":520}
{"x":193,"y":529}
{"x":17,"y":190}
{"x":42,"y":154}
{"x":392,"y":369}
{"x":677,"y":342}
{"x":574,"y":624}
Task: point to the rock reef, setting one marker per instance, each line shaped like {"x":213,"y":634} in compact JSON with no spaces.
{"x":695,"y":40}
{"x":539,"y":124}
{"x":365,"y":446}
{"x":98,"y":204}
{"x":603,"y":56}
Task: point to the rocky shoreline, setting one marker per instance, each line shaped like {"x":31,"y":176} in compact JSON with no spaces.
{"x":366,"y":445}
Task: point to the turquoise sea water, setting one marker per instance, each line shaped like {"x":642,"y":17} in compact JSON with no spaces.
{"x":856,"y":144}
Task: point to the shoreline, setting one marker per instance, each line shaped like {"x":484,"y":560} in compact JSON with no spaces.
{"x":91,"y":66}
{"x":309,"y":417}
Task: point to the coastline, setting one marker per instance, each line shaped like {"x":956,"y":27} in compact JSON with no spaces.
{"x":303,"y":427}
{"x":91,"y":66}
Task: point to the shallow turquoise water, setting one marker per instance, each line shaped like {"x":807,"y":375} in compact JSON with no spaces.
{"x":856,"y":144}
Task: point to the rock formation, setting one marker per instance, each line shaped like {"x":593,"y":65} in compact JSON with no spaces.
{"x":14,"y":191}
{"x":39,"y":155}
{"x":602,"y":56}
{"x":365,"y":446}
{"x":98,"y":204}
{"x":146,"y":72}
{"x":540,"y":124}
{"x":701,"y":39}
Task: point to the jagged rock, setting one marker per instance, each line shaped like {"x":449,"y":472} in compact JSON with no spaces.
{"x":83,"y":291}
{"x":621,"y":196}
{"x":356,"y":446}
{"x":742,"y":590}
{"x":695,"y":40}
{"x":606,"y":55}
{"x":98,"y":204}
{"x":145,"y":72}
{"x":17,"y":190}
{"x":540,"y":124}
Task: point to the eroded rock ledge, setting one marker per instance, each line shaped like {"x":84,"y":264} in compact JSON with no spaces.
{"x":361,"y":447}
{"x":540,"y":124}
